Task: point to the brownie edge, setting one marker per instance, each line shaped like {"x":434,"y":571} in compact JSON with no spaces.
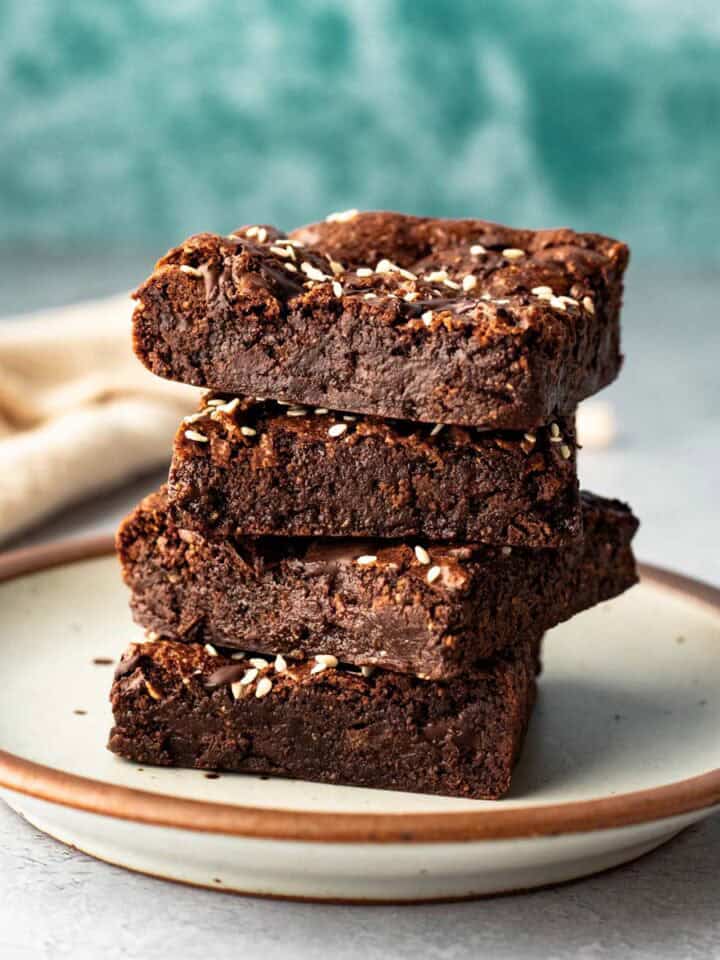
{"x":184,"y":705}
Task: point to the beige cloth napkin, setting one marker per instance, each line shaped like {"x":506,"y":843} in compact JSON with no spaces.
{"x":79,"y":414}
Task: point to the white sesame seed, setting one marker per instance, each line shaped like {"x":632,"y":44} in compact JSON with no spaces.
{"x":282,"y":251}
{"x":557,"y":439}
{"x":542,"y":291}
{"x":512,"y":253}
{"x":341,"y":216}
{"x":570,"y":300}
{"x":291,"y":267}
{"x":327,"y":659}
{"x":589,"y":305}
{"x":248,"y":677}
{"x":469,"y":282}
{"x":436,"y":429}
{"x":296,"y":412}
{"x":407,"y":274}
{"x":436,"y":276}
{"x":337,"y":429}
{"x":264,"y":687}
{"x":451,"y":284}
{"x":369,"y":296}
{"x":366,"y":559}
{"x":312,"y":273}
{"x":384,"y":266}
{"x":410,"y":296}
{"x":364,"y":272}
{"x":210,"y":649}
{"x":557,"y":303}
{"x":258,"y":662}
{"x":191,"y":271}
{"x":194,"y":417}
{"x":427,"y":317}
{"x":238,"y":655}
{"x":337,"y":288}
{"x":530,"y":437}
{"x":554,"y":430}
{"x":248,"y":431}
{"x":229,"y":407}
{"x":261,"y":235}
{"x":252,"y":231}
{"x":280,"y":664}
{"x":502,"y":302}
{"x":236,"y":689}
{"x":197,"y":437}
{"x":506,"y":551}
{"x":351,"y":418}
{"x":214,"y":402}
{"x":337,"y":268}
{"x":422,"y":555}
{"x":321,"y":411}
{"x":477,"y":250}
{"x":318,"y":668}
{"x":367,"y":671}
{"x":433,"y":573}
{"x":565,"y":452}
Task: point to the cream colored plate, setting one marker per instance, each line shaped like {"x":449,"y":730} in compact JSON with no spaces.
{"x":623,"y":752}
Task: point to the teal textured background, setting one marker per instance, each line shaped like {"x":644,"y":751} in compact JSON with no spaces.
{"x":130,"y":124}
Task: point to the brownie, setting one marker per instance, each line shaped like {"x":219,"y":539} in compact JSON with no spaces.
{"x":247,"y":467}
{"x":429,"y":609}
{"x":185,"y":705}
{"x":447,"y":321}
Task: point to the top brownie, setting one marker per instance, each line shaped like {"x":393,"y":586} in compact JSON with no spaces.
{"x":447,"y":321}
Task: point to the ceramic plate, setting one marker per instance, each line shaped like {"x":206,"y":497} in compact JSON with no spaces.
{"x":623,"y":752}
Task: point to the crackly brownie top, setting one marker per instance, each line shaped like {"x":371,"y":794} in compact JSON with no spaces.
{"x":247,"y":421}
{"x":413,"y":273}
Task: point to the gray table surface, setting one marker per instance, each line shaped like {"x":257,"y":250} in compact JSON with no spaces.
{"x":55,"y":902}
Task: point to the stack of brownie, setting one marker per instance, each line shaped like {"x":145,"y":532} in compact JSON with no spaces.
{"x":375,"y":514}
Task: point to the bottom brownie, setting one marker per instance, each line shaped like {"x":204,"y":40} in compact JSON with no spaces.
{"x":184,"y":705}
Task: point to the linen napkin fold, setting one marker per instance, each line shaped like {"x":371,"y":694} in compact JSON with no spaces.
{"x":79,"y":414}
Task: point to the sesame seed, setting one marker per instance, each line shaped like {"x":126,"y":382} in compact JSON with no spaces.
{"x":506,"y":551}
{"x":436,"y":429}
{"x":364,"y":272}
{"x":351,"y":418}
{"x":283,"y":403}
{"x":341,"y":216}
{"x":542,"y":291}
{"x":264,"y":687}
{"x":433,"y":573}
{"x":477,"y":249}
{"x":469,"y":282}
{"x":248,"y":677}
{"x":259,"y":662}
{"x":248,"y":431}
{"x":554,"y":430}
{"x":327,"y":659}
{"x":197,"y":437}
{"x":337,"y":268}
{"x":571,"y":300}
{"x":236,"y":689}
{"x":296,"y":412}
{"x":530,"y":437}
{"x":194,"y":417}
{"x":436,"y":276}
{"x":557,"y":439}
{"x":410,"y":296}
{"x":501,"y":303}
{"x":321,"y":411}
{"x":512,"y":253}
{"x":451,"y":284}
{"x":384,"y":266}
{"x":282,"y":251}
{"x":557,"y":303}
{"x":366,"y":559}
{"x":337,"y":288}
{"x":291,"y":267}
{"x":367,"y":671}
{"x":312,"y":273}
{"x":214,"y":402}
{"x":262,"y":235}
{"x":318,"y":668}
{"x":337,"y":429}
{"x":229,"y":407}
{"x":191,"y":271}
{"x":422,"y":555}
{"x":280,"y":664}
{"x":589,"y":305}
{"x":238,"y":655}
{"x":427,"y":317}
{"x":251,"y":231}
{"x":369,"y":296}
{"x":565,"y":452}
{"x":210,"y":649}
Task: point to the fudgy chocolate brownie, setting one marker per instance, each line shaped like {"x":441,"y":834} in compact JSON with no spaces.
{"x":247,"y":467}
{"x":447,"y":321}
{"x":432,"y":610}
{"x":184,"y":705}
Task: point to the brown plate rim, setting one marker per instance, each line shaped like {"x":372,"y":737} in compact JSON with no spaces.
{"x":162,"y":810}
